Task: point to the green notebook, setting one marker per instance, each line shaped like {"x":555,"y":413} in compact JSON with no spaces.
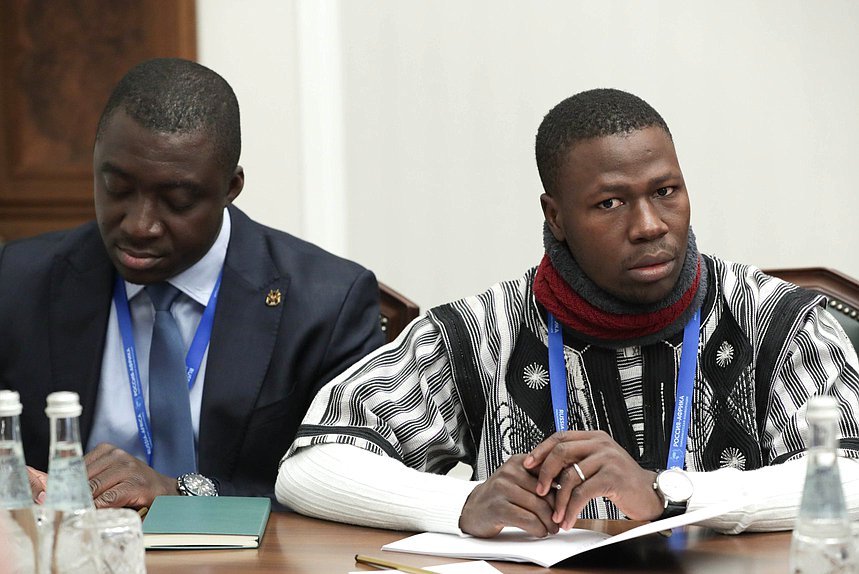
{"x":197,"y":522}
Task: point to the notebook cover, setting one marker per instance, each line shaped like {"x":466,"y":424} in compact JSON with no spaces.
{"x":206,"y":522}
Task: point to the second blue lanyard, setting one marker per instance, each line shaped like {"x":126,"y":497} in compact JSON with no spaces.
{"x":683,"y":399}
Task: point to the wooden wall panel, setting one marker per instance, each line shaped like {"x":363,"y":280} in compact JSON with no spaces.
{"x":58,"y":63}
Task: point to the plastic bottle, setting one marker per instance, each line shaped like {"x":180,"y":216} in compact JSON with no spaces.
{"x":822,"y":539}
{"x":17,"y":522}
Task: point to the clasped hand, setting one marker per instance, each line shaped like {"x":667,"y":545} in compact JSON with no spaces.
{"x":542,"y":492}
{"x":116,"y":479}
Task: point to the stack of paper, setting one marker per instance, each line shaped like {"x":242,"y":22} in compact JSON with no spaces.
{"x":515,"y":545}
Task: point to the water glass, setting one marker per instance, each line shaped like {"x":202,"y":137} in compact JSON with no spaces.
{"x":19,"y":541}
{"x":67,"y":542}
{"x":120,"y":538}
{"x":41,"y":540}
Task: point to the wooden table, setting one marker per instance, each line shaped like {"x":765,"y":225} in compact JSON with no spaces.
{"x":295,"y":544}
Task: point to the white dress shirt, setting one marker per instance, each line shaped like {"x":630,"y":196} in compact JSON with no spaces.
{"x":114,"y":419}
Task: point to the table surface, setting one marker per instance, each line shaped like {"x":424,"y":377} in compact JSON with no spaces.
{"x":295,"y":544}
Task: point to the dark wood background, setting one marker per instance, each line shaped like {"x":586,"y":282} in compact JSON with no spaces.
{"x":58,"y":63}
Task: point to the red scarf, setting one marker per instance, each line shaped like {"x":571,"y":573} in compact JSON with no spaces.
{"x":572,"y":310}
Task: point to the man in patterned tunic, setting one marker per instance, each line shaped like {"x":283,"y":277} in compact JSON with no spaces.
{"x":622,"y":277}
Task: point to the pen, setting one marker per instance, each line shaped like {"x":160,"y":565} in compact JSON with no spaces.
{"x":142,"y":512}
{"x":380,"y":563}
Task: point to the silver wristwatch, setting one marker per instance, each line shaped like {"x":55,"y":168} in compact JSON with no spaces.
{"x":193,"y":484}
{"x":674,"y":487}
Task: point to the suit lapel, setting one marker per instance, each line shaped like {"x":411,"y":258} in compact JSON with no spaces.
{"x":79,"y":307}
{"x":243,"y":339}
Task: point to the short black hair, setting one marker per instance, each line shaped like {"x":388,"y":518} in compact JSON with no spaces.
{"x":586,"y":115}
{"x":171,"y":95}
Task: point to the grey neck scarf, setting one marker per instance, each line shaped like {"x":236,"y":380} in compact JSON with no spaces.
{"x":567,"y":267}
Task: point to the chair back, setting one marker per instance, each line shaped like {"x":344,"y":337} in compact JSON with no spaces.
{"x":397,"y":311}
{"x":842,"y":292}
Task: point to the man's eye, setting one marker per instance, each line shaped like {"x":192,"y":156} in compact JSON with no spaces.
{"x":179,"y":200}
{"x":609,"y":203}
{"x":180,"y":206}
{"x":117,"y":190}
{"x":664,"y":191}
{"x":116,"y":186}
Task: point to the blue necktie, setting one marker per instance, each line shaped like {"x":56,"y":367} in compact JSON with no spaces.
{"x":169,"y":403}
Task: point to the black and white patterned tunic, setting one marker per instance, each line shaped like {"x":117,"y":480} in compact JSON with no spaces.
{"x":468,"y":382}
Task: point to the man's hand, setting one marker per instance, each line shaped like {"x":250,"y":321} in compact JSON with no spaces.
{"x":508,"y":498}
{"x":38,"y":484}
{"x":118,"y":479}
{"x":608,"y":469}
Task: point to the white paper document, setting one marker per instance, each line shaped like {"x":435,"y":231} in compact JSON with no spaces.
{"x":514,"y":545}
{"x":473,"y":567}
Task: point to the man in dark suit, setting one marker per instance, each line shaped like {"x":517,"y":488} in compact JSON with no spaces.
{"x":287,"y":316}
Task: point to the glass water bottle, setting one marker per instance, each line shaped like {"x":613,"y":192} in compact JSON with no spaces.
{"x":68,"y":485}
{"x":822,"y":539}
{"x":14,"y":486}
{"x":17,"y":521}
{"x":69,"y":542}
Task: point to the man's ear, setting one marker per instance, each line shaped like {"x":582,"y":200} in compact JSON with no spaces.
{"x":237,"y":183}
{"x":552,"y":213}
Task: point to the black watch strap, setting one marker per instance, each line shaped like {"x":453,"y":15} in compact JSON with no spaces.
{"x":674,"y":509}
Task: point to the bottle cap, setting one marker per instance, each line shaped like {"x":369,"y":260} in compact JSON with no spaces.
{"x":63,"y":404}
{"x":10,"y":404}
{"x":822,"y":408}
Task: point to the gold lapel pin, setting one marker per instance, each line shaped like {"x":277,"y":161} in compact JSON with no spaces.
{"x":273,"y":298}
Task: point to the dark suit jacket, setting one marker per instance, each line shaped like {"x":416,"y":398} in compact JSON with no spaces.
{"x":265,"y":363}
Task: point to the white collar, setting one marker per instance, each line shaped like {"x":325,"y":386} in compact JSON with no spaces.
{"x":198,"y":281}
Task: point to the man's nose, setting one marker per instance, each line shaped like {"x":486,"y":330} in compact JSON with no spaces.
{"x":647,"y":223}
{"x":142,"y":219}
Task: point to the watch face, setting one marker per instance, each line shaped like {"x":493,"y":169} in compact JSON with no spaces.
{"x":674,"y":485}
{"x":197,"y":485}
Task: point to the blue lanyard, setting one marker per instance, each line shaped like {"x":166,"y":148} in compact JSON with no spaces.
{"x":557,"y":374}
{"x":193,"y":359}
{"x":685,"y":385}
{"x":683,"y":398}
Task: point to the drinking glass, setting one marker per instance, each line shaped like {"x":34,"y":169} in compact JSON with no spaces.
{"x":119,"y":534}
